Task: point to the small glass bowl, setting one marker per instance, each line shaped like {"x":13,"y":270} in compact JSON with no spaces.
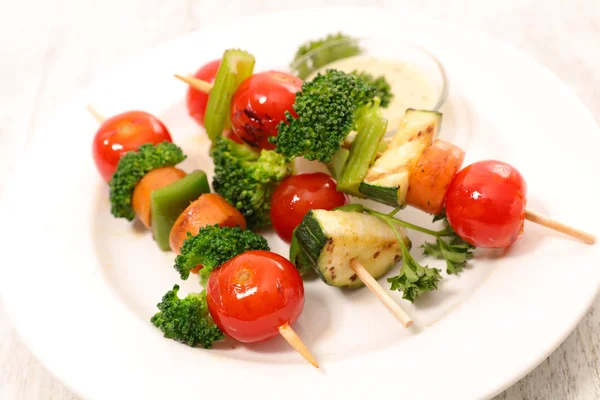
{"x":389,"y":49}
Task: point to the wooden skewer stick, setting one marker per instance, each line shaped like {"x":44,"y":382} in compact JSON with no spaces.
{"x":95,"y":114}
{"x":294,"y":340}
{"x":560,"y":227}
{"x":380,"y":292}
{"x":196,"y":83}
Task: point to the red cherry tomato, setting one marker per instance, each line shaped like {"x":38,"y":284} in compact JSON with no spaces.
{"x":197,"y":100}
{"x":122,"y":133}
{"x":252,"y":295}
{"x":259,"y":105}
{"x":298,"y":194}
{"x":485,"y":204}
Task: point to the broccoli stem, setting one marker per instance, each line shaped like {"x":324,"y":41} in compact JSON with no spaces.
{"x":370,"y":126}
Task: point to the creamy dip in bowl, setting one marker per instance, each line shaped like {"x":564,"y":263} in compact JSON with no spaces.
{"x":417,"y":78}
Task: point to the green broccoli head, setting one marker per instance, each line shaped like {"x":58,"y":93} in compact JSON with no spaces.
{"x":247,"y":179}
{"x":186,"y":320}
{"x":333,"y":47}
{"x":384,"y":90}
{"x":213,"y":246}
{"x":326,"y":109}
{"x":132,"y":167}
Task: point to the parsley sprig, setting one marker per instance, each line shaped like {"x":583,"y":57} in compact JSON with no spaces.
{"x":415,"y":279}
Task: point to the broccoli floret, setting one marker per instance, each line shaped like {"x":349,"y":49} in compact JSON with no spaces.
{"x":384,"y":90}
{"x":326,"y":108}
{"x":247,"y":179}
{"x":132,"y":167}
{"x":186,"y":320}
{"x":334,"y":47}
{"x":213,"y":246}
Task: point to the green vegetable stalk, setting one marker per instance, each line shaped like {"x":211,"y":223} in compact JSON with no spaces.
{"x":371,"y":127}
{"x":236,"y":66}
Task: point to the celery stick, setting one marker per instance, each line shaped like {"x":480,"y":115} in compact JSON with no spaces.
{"x":338,"y":162}
{"x":236,"y":66}
{"x":370,"y":127}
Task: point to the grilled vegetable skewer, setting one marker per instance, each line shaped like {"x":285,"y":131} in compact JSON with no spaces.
{"x":484,"y":202}
{"x":256,"y":105}
{"x":251,"y":294}
{"x":147,"y":185}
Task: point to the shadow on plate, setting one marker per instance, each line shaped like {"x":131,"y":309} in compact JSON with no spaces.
{"x":314,"y":321}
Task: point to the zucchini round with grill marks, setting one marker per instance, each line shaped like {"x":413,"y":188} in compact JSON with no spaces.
{"x":328,"y":240}
{"x":388,"y":179}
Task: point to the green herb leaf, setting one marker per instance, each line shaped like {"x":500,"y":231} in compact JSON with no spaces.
{"x":449,"y":247}
{"x":414,"y":279}
{"x":456,"y":252}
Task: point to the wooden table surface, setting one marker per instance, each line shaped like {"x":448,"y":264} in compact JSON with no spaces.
{"x":49,"y":50}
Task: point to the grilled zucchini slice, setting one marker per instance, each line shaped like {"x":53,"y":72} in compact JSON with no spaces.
{"x":387,"y":180}
{"x":328,"y":240}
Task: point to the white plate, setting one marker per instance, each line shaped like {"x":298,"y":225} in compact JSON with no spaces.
{"x":81,"y":286}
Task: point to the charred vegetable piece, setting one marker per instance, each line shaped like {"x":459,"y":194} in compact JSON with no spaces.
{"x":209,"y":209}
{"x":432,"y":174}
{"x":330,"y":239}
{"x":388,"y":179}
{"x":299,"y":258}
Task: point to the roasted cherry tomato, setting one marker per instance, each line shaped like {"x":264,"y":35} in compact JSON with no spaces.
{"x":485,"y":204}
{"x":197,"y":100}
{"x":252,"y":295}
{"x":298,"y":194}
{"x":122,"y":133}
{"x":259,"y":105}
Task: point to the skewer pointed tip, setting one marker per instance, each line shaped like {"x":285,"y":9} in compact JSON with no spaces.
{"x":294,"y":340}
{"x":381,"y":294}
